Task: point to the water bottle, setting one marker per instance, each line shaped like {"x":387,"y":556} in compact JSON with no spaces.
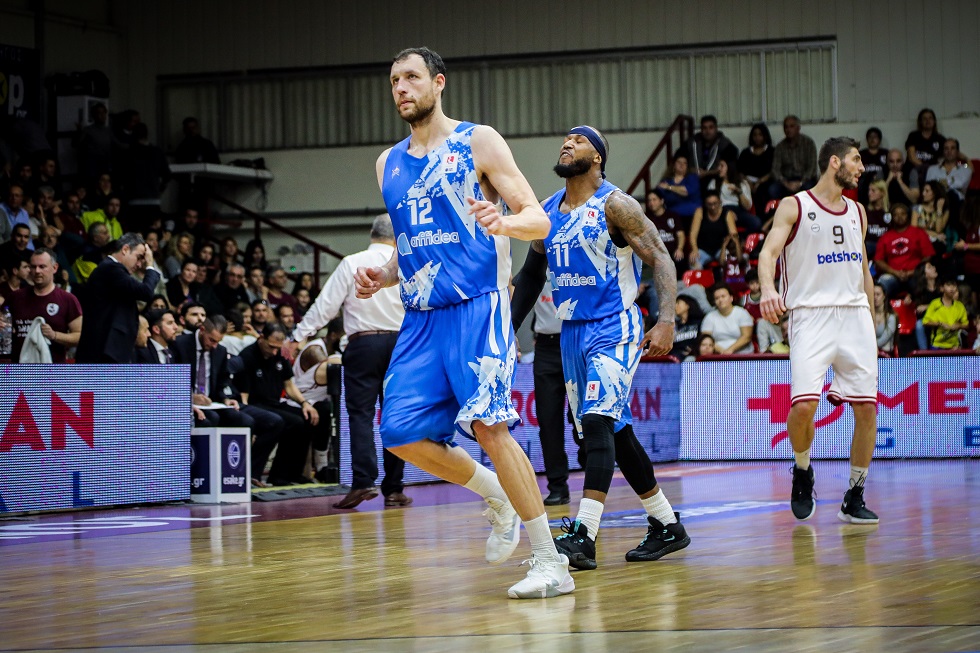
{"x":6,"y":333}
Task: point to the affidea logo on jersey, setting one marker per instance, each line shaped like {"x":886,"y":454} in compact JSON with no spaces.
{"x":569,"y":279}
{"x":425,"y":239}
{"x":840,"y":257}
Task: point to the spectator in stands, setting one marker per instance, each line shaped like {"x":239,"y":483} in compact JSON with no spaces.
{"x":44,"y":210}
{"x":736,"y":195}
{"x":60,"y":310}
{"x":709,"y":228}
{"x":99,"y":196}
{"x":256,"y":284}
{"x":255,"y":255}
{"x":231,"y":291}
{"x":924,"y":145}
{"x":750,"y":301}
{"x":681,"y":189}
{"x":706,"y":149}
{"x":955,"y":171}
{"x":730,"y":325}
{"x":875,"y":161}
{"x":207,"y":261}
{"x":192,"y":316}
{"x":703,"y":346}
{"x":772,"y":338}
{"x":240,"y":333}
{"x":903,"y":185}
{"x":687,"y":326}
{"x":967,"y":250}
{"x":190,"y":222}
{"x":158,"y":303}
{"x":152,"y":238}
{"x":19,"y":247}
{"x":195,"y":148}
{"x":900,"y":250}
{"x":276,"y":280}
{"x":229,"y":253}
{"x":13,"y":211}
{"x":264,"y":377}
{"x":878,"y":216}
{"x":95,"y":143}
{"x":109,"y":216}
{"x":286,"y":317}
{"x":947,"y":317}
{"x":17,"y":270}
{"x":261,"y":314}
{"x":145,"y":177}
{"x":163,"y":331}
{"x":794,"y":161}
{"x":925,"y":281}
{"x":886,"y":323}
{"x":755,"y":162}
{"x":109,"y":303}
{"x":47,"y":175}
{"x":179,"y":249}
{"x":81,"y":190}
{"x":50,"y":238}
{"x":670,"y":227}
{"x":932,"y":214}
{"x":92,"y":252}
{"x":69,"y":219}
{"x":303,"y":280}
{"x":303,"y":300}
{"x":183,"y":287}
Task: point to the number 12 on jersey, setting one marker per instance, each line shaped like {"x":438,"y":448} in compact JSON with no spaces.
{"x":561,"y":254}
{"x":420,"y":210}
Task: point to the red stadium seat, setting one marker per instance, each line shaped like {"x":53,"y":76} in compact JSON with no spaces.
{"x":771,"y":206}
{"x":975,"y":180}
{"x":699,"y":277}
{"x":906,"y":316}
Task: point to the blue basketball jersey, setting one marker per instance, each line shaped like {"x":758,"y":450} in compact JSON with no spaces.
{"x":444,"y":256}
{"x":592,"y":277}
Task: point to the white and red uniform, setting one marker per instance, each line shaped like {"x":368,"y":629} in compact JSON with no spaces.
{"x":830,"y":322}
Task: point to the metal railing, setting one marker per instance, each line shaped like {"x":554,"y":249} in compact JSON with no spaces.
{"x":683,"y":127}
{"x":258,"y":220}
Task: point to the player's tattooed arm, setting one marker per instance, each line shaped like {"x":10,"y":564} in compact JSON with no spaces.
{"x":625,"y":216}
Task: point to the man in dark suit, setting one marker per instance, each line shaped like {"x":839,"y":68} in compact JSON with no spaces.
{"x":109,"y":302}
{"x":210,"y":382}
{"x":163,"y":329}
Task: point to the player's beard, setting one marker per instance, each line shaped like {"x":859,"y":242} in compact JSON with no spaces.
{"x":845,"y":179}
{"x":574,"y":169}
{"x":422,"y":112}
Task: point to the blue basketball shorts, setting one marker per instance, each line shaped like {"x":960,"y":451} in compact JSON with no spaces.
{"x":452,"y":366}
{"x":599,"y":359}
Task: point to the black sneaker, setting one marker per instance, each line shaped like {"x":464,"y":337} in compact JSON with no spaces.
{"x":576,"y":544}
{"x":801,"y":501}
{"x":853,"y":510}
{"x":660,"y":541}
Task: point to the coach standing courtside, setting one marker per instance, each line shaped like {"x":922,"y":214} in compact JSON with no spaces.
{"x":109,"y":302}
{"x":372,"y":328}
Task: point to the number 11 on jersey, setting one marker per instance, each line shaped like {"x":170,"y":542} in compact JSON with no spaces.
{"x":561,"y":254}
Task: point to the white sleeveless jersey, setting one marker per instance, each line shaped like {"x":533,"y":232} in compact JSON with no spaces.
{"x":822,"y":263}
{"x":305,"y":381}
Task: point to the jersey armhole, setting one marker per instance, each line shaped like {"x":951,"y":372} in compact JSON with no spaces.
{"x":796,"y":225}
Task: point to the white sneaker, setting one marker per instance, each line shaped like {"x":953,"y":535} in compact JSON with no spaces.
{"x":544,"y":580}
{"x":505,"y":530}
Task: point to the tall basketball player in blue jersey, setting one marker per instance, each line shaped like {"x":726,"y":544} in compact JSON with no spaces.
{"x":599,"y":236}
{"x":452,"y":368}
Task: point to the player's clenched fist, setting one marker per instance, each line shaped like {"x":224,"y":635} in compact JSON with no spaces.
{"x":368,"y":281}
{"x":487,"y":215}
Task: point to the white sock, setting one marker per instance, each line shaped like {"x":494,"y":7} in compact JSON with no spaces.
{"x":858,"y":475}
{"x":485,"y":483}
{"x":659,"y":508}
{"x":589,"y":513}
{"x":320,"y":460}
{"x":542,"y":543}
{"x":802,"y":459}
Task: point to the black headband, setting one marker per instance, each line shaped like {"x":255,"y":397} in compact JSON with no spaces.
{"x":592,"y":134}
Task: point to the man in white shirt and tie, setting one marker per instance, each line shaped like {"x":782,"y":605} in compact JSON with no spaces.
{"x":372,"y":329}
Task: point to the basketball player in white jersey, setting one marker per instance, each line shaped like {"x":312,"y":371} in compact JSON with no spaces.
{"x":818,"y":237}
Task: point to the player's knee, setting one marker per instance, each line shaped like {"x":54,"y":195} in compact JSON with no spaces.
{"x":803,"y":409}
{"x":597,"y":431}
{"x":488,"y":436}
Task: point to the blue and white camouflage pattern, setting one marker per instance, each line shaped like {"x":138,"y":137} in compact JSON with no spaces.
{"x":444,"y":256}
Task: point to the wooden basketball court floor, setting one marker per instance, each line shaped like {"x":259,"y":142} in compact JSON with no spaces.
{"x":301,"y":576}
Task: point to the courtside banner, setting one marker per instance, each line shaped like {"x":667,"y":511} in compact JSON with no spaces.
{"x":654,"y":403}
{"x":78,"y":436}
{"x":927,"y":408}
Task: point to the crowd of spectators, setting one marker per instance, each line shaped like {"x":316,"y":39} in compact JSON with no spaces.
{"x":713,"y":209}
